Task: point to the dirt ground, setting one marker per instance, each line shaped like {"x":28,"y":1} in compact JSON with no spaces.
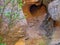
{"x":30,"y":34}
{"x":34,"y":32}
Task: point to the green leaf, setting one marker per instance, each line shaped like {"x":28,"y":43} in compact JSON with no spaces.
{"x":6,"y":1}
{"x":15,"y":16}
{"x":12,"y":1}
{"x":8,"y":14}
{"x":19,"y":3}
{"x":42,"y":42}
{"x":1,"y":38}
{"x":1,"y":8}
{"x":2,"y":43}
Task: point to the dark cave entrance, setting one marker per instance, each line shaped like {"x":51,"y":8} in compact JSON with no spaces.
{"x":33,"y":8}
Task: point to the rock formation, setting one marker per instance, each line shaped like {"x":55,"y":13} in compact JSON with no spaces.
{"x":54,"y":10}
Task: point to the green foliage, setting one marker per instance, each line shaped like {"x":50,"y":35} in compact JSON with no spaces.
{"x":6,"y":1}
{"x":15,"y":16}
{"x":8,"y":14}
{"x":2,"y":44}
{"x":12,"y":1}
{"x":42,"y":42}
{"x":19,"y":3}
{"x":1,"y":7}
{"x":1,"y":41}
{"x":1,"y":38}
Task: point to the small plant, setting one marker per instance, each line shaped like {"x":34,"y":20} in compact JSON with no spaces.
{"x":19,"y":3}
{"x":1,"y":38}
{"x":1,"y":41}
{"x":42,"y":42}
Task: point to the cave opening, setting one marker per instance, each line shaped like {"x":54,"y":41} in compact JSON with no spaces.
{"x":33,"y":8}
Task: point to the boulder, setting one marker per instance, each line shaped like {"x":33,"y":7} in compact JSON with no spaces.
{"x":54,"y":10}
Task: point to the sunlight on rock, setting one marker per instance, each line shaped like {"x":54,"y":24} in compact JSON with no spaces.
{"x":20,"y":42}
{"x":22,"y":18}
